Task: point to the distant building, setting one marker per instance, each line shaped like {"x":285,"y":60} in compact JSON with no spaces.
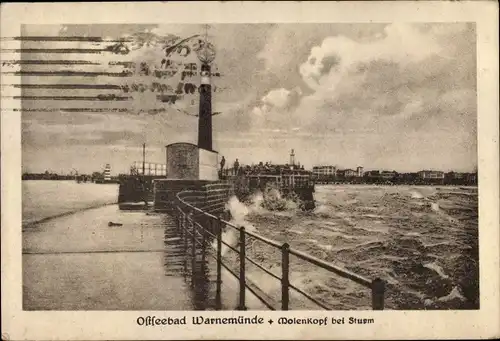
{"x":412,"y":175}
{"x":471,"y":178}
{"x":359,"y":171}
{"x":324,"y":170}
{"x":372,"y":174}
{"x":430,"y":174}
{"x":458,"y":178}
{"x":388,"y":175}
{"x":347,"y":173}
{"x":378,"y":175}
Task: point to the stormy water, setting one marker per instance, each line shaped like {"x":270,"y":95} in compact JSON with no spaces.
{"x":45,"y":199}
{"x":423,"y":241}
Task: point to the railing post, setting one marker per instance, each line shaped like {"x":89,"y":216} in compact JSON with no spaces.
{"x":378,"y":292}
{"x":184,"y":236}
{"x":218,"y":300}
{"x":204,"y":239}
{"x":285,"y":266}
{"x":181,"y":221}
{"x":241,"y":305}
{"x":193,"y":250}
{"x":184,"y":222}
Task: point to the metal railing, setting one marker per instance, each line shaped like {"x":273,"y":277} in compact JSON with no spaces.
{"x":193,"y":223}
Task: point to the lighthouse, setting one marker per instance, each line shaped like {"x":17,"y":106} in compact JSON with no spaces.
{"x":107,"y":173}
{"x":206,"y":55}
{"x":187,"y":161}
{"x":205,"y":109}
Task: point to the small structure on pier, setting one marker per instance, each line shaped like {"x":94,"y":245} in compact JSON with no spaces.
{"x":187,"y":161}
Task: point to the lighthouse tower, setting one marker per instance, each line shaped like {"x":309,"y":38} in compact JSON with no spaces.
{"x":292,"y":158}
{"x":205,"y":110}
{"x":206,"y":55}
{"x":107,"y":173}
{"x":186,"y":161}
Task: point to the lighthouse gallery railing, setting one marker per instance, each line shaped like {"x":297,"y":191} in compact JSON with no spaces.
{"x":196,"y":226}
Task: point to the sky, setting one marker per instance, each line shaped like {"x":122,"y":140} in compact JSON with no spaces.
{"x":382,"y":96}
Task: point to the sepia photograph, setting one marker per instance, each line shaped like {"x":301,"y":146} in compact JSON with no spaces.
{"x":247,"y":166}
{"x":347,"y":152}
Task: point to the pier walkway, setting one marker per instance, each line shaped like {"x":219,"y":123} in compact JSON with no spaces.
{"x":80,"y":262}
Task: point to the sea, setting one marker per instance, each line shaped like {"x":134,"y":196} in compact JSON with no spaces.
{"x":45,"y":199}
{"x":423,"y":241}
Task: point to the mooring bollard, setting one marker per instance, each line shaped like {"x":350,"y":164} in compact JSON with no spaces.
{"x":241,"y":305}
{"x":218,"y":299}
{"x":285,"y":269}
{"x":378,"y":293}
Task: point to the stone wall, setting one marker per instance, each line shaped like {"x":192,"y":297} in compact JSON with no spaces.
{"x":216,"y":197}
{"x":166,"y":190}
{"x":210,"y":196}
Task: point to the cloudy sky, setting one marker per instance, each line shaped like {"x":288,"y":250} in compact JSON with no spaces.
{"x":392,"y":96}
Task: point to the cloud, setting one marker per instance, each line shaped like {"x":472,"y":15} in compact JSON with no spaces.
{"x":287,"y":45}
{"x":383,"y":102}
{"x":273,"y":109}
{"x":278,"y":98}
{"x":42,"y":131}
{"x":338,"y":55}
{"x":378,"y":95}
{"x":282,"y":98}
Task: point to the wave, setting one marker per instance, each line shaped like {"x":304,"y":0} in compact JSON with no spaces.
{"x":438,"y":269}
{"x":33,"y":223}
{"x":435,"y":207}
{"x":416,"y":195}
{"x":403,"y":235}
{"x":454,"y":294}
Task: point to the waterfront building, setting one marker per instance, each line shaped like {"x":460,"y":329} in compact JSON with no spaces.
{"x":471,"y":178}
{"x":347,"y":173}
{"x":388,"y":175}
{"x":372,"y":174}
{"x":430,"y":174}
{"x":375,"y":176}
{"x":359,"y":171}
{"x":458,"y":178}
{"x":458,"y":175}
{"x":324,"y":170}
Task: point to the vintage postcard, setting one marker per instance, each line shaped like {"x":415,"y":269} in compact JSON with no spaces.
{"x":250,"y":170}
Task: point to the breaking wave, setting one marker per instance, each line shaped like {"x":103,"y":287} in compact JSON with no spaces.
{"x":423,"y":242}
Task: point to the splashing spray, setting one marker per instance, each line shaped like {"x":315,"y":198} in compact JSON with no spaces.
{"x":239,"y":212}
